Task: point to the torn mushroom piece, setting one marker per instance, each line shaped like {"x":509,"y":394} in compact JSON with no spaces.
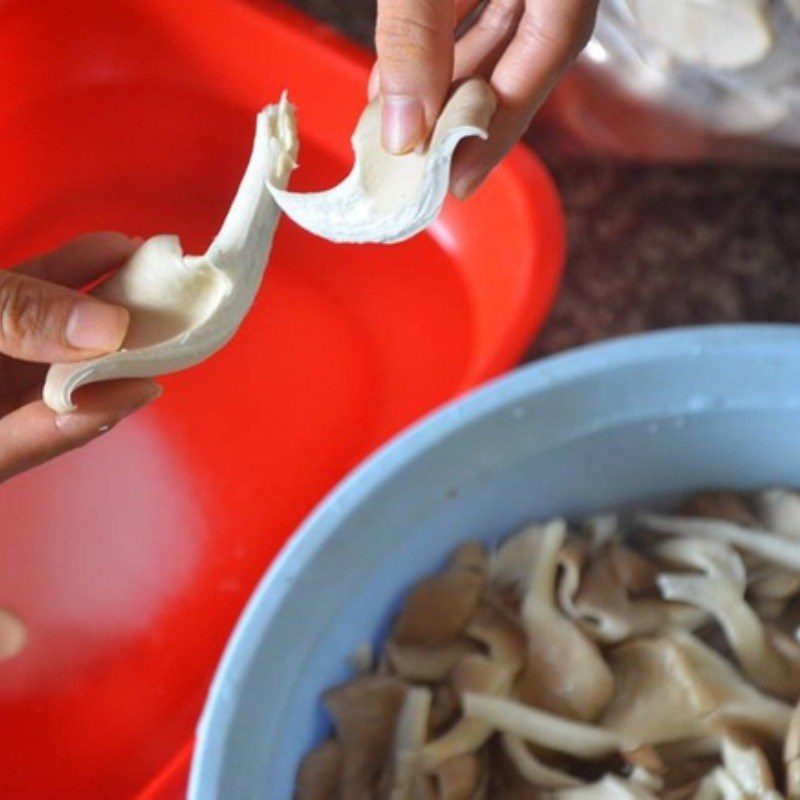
{"x":791,"y":756}
{"x":365,"y":713}
{"x":610,"y":787}
{"x":461,"y":778}
{"x":388,"y":198}
{"x":473,"y":674}
{"x":672,"y":688}
{"x":320,"y":774}
{"x":185,"y":308}
{"x":748,"y":766}
{"x":427,"y":663}
{"x":535,"y":771}
{"x":753,"y":541}
{"x":407,"y":780}
{"x":769,"y":661}
{"x":439,"y":608}
{"x":564,"y":672}
{"x":501,"y":634}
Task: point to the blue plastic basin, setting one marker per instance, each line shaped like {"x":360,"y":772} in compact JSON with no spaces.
{"x":607,"y":425}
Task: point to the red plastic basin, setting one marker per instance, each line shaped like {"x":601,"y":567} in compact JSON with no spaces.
{"x":131,"y":559}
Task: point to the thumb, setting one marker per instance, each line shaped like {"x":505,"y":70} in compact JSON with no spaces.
{"x":415,"y":40}
{"x":40,"y":321}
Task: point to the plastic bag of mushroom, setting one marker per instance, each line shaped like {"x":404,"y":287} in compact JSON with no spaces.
{"x":651,"y":656}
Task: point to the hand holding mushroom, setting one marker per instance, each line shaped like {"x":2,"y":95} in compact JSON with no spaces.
{"x":42,"y":319}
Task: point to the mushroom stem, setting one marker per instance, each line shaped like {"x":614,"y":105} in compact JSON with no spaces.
{"x":538,"y":727}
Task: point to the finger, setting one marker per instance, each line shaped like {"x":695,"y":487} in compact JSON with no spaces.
{"x":549,"y":36}
{"x":463,"y":9}
{"x":414,"y":40}
{"x":82,"y":260}
{"x":43,"y":322}
{"x":479,"y":50}
{"x":34,"y":433}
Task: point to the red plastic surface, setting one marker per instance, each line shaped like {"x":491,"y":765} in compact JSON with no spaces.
{"x":131,"y":559}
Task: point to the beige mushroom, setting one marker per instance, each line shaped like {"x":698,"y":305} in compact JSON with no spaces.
{"x":460,"y":778}
{"x":365,"y":712}
{"x":500,"y":633}
{"x":720,"y":591}
{"x":779,"y":511}
{"x":427,"y":663}
{"x":512,"y":563}
{"x":601,"y":530}
{"x":445,"y":707}
{"x":565,"y":672}
{"x":473,"y":556}
{"x":438,"y":608}
{"x":407,"y":778}
{"x":753,"y":541}
{"x":320,"y":773}
{"x":673,"y":688}
{"x":473,"y":674}
{"x":727,"y":506}
{"x":610,"y":787}
{"x":747,"y":765}
{"x":553,"y":732}
{"x":533,"y":769}
{"x":791,"y":756}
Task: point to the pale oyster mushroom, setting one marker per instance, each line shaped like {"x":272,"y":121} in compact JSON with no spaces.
{"x":533,"y":769}
{"x":388,"y":198}
{"x":791,"y":756}
{"x":779,"y":510}
{"x":757,"y":542}
{"x":610,"y":787}
{"x":603,"y":608}
{"x":320,"y":773}
{"x":407,"y":778}
{"x":672,"y":688}
{"x":748,"y":766}
{"x":473,"y":674}
{"x":770,"y":661}
{"x":579,"y":739}
{"x":429,"y":663}
{"x":13,"y":634}
{"x":438,"y":609}
{"x":726,"y":34}
{"x":723,"y":505}
{"x":565,"y":672}
{"x":185,"y":308}
{"x":512,"y":563}
{"x":500,"y":634}
{"x":461,"y":778}
{"x":365,"y":713}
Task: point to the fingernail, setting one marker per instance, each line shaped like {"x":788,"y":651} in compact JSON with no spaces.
{"x":97,"y":326}
{"x":403,"y":122}
{"x":466,"y":185}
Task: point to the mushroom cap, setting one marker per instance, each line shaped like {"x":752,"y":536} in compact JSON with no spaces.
{"x":365,"y":712}
{"x":565,"y":672}
{"x":438,"y":608}
{"x":460,"y":778}
{"x":427,"y":663}
{"x":320,"y":772}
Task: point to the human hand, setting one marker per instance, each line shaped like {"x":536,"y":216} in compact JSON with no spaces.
{"x":520,"y":46}
{"x":44,"y":319}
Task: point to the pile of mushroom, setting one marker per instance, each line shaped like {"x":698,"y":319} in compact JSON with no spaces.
{"x":646,"y":656}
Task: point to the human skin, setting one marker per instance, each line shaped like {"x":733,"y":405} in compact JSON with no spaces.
{"x":521,"y":47}
{"x":45,"y":319}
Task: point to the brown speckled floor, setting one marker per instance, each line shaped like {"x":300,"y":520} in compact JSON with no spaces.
{"x":656,"y":246}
